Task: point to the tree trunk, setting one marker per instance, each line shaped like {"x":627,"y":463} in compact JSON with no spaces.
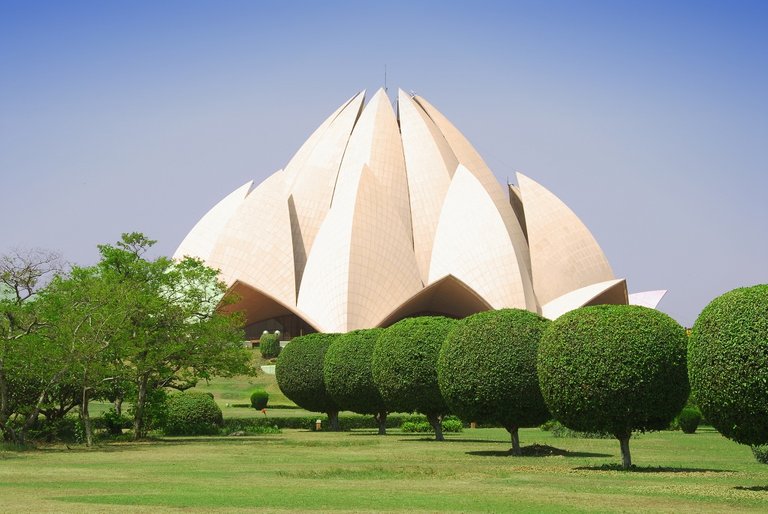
{"x":437,"y":425}
{"x":333,"y":421}
{"x":4,"y":414}
{"x":141,"y":401}
{"x":85,"y":418}
{"x":381,"y":419}
{"x":119,"y":406}
{"x":626,"y":458}
{"x":515,"y":441}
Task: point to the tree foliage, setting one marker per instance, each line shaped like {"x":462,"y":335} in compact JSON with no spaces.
{"x":126,"y":326}
{"x":614,"y":369}
{"x":299,"y":373}
{"x":404,"y":366}
{"x":728,"y":364}
{"x":487,"y":369}
{"x":348,"y":377}
{"x":269,"y":345}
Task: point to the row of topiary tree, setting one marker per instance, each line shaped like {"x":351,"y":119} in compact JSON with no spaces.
{"x":610,"y":369}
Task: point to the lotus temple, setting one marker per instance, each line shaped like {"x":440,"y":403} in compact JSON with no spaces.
{"x":386,"y":213}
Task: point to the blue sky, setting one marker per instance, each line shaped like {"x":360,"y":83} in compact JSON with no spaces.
{"x":649,"y":119}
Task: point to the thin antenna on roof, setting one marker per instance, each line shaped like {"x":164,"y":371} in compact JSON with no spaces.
{"x":385,"y":78}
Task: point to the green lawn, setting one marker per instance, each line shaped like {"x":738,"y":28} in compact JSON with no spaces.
{"x":359,"y":471}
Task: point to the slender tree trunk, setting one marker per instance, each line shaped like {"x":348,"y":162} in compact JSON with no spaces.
{"x":333,"y":421}
{"x":119,"y":406}
{"x":4,"y":414}
{"x":515,"y":440}
{"x":381,"y":419}
{"x":626,"y":458}
{"x":141,"y":401}
{"x":437,"y":425}
{"x":85,"y":417}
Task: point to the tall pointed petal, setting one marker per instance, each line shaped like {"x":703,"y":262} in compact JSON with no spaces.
{"x":430,"y":164}
{"x":564,"y":254}
{"x":201,"y":240}
{"x":255,"y":246}
{"x":472,"y":243}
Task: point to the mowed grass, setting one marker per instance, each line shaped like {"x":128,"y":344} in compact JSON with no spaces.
{"x":361,"y":472}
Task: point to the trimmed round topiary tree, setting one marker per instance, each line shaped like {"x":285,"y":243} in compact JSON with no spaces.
{"x":728,"y":364}
{"x":259,"y":399}
{"x":614,"y":369}
{"x":404,"y":367}
{"x":487,"y":370}
{"x":299,"y":373}
{"x":348,"y":377}
{"x":269,"y":345}
{"x":192,"y":413}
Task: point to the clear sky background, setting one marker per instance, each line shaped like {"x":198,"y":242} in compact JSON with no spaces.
{"x":649,"y":119}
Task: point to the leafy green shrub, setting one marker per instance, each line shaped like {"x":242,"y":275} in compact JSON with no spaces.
{"x":191,"y":413}
{"x":346,"y":422}
{"x":487,"y":370}
{"x":559,"y":430}
{"x":348,"y":378}
{"x":452,"y":424}
{"x":269,"y":345}
{"x":299,"y":373}
{"x":114,"y":423}
{"x":761,"y":453}
{"x":728,"y":364}
{"x":404,"y":366}
{"x":418,"y":427}
{"x":614,"y":369}
{"x":259,"y":399}
{"x":689,"y":419}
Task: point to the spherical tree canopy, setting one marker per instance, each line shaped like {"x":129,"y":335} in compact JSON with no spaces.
{"x":487,"y":368}
{"x":347,"y":372}
{"x":614,"y":369}
{"x":404,"y":364}
{"x":192,"y":413}
{"x":299,"y":372}
{"x":728,"y":364}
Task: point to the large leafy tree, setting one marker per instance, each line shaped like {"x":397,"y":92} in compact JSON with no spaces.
{"x":26,"y":374}
{"x":174,"y":335}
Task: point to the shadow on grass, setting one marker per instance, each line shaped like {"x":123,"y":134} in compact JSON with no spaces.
{"x":120,"y":446}
{"x":448,"y":439}
{"x":757,"y":488}
{"x":652,"y":469}
{"x":537,"y":450}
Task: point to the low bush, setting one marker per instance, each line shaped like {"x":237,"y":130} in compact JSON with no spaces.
{"x":347,"y":422}
{"x":559,"y":430}
{"x":192,"y":414}
{"x":689,"y":419}
{"x":419,"y":427}
{"x":113,"y":422}
{"x":259,"y":399}
{"x":760,"y":453}
{"x":452,"y":424}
